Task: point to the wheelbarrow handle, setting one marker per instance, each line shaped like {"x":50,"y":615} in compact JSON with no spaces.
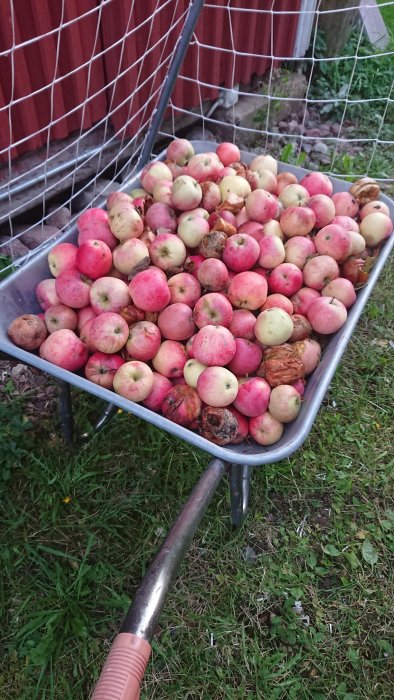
{"x":124,"y":668}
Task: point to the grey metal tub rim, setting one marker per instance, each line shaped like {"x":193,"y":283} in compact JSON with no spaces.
{"x":17,"y":297}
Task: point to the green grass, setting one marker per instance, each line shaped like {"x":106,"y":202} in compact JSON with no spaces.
{"x":388,"y":15}
{"x":78,"y":529}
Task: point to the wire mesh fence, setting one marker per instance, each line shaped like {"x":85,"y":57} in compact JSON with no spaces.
{"x":309,"y":81}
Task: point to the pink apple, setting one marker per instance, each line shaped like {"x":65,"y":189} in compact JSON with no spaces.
{"x":133,"y":380}
{"x":285,"y":403}
{"x":253,"y":396}
{"x":116,"y":197}
{"x":294,"y":196}
{"x":193,"y":214}
{"x":161,"y":218}
{"x":176,"y":322}
{"x":261,"y":206}
{"x":273,"y":327}
{"x":191,"y":230}
{"x":341,"y":289}
{"x":204,"y":166}
{"x":228,"y":153}
{"x":161,"y":386}
{"x":243,"y":426}
{"x":125,"y":221}
{"x":326,"y":315}
{"x":184,"y":288}
{"x":186,"y":193}
{"x":284,"y":179}
{"x":154,"y":172}
{"x":217,"y":387}
{"x":180,"y":151}
{"x":109,"y":332}
{"x":247,"y":358}
{"x":64,"y":349}
{"x":101,"y":369}
{"x":182,"y":405}
{"x":272,"y":252}
{"x":335,"y":241}
{"x":279,"y":301}
{"x":299,"y":385}
{"x":302,"y":299}
{"x":241,"y":252}
{"x":211,"y":196}
{"x":372,"y":208}
{"x":62,"y":257}
{"x":252,"y":228}
{"x":109,"y":294}
{"x":60,"y":316}
{"x":262,"y":179}
{"x":247,"y":290}
{"x":212,"y":308}
{"x":297,"y":221}
{"x":192,"y":264}
{"x":131,"y":256}
{"x":265,"y":429}
{"x":309,"y":352}
{"x":345,"y":204}
{"x":94,"y":223}
{"x":298,"y":250}
{"x":213,"y":275}
{"x":149,"y":290}
{"x":170,"y":359}
{"x":84,"y":315}
{"x":319,"y":271}
{"x":317,"y":183}
{"x":346,"y":222}
{"x":273,"y":228}
{"x":94,"y":259}
{"x":285,"y":279}
{"x":167,"y":250}
{"x":324,"y":209}
{"x":175,"y":169}
{"x":162,"y":192}
{"x":214,"y":345}
{"x":46,"y":293}
{"x":375,"y":228}
{"x":242,"y":324}
{"x":144,"y":341}
{"x":85,"y":336}
{"x":264,"y":162}
{"x":302,"y":328}
{"x":73,"y":288}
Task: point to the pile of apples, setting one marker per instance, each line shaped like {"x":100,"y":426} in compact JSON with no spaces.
{"x":207,"y":294}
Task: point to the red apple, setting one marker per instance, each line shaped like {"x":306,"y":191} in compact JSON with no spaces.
{"x":94,"y":259}
{"x":253,"y":396}
{"x":109,"y":332}
{"x":62,"y":257}
{"x":241,"y":252}
{"x":170,"y":359}
{"x":73,"y":288}
{"x":247,"y":358}
{"x":242,"y":324}
{"x":214,"y":345}
{"x":212,"y":308}
{"x":149,"y":290}
{"x":161,"y":386}
{"x":285,"y":279}
{"x":319,"y":271}
{"x":60,"y":316}
{"x":217,"y":387}
{"x":326,"y":315}
{"x":46,"y":293}
{"x":144,"y":341}
{"x":101,"y":369}
{"x":182,"y":405}
{"x":109,"y":294}
{"x":247,"y":290}
{"x":265,"y":429}
{"x":133,"y":380}
{"x":64,"y":349}
{"x":176,"y":322}
{"x":94,"y":223}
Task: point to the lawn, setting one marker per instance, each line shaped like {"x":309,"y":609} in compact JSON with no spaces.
{"x":79,"y":528}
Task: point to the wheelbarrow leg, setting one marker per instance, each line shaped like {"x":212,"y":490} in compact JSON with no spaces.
{"x":66,"y":411}
{"x":125,"y":665}
{"x":239,"y":482}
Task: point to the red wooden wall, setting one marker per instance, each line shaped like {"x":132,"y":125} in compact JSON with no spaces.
{"x":100,"y":74}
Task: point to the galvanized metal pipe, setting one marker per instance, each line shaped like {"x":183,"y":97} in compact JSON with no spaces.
{"x":239,"y":481}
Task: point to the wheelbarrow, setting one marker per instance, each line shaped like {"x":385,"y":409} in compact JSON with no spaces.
{"x":122,"y":673}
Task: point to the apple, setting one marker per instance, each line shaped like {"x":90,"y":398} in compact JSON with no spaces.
{"x":242,"y":324}
{"x":326,"y":315}
{"x":375,"y":228}
{"x":298,"y":250}
{"x":204,"y":166}
{"x":247,"y":358}
{"x":279,"y":301}
{"x":212,"y":308}
{"x":46,"y":293}
{"x":217,"y":387}
{"x":109,"y":332}
{"x":335,"y":241}
{"x":285,"y":279}
{"x":309,"y":351}
{"x":28,"y":331}
{"x":228,"y":153}
{"x":84,"y":315}
{"x":125,"y":221}
{"x":101,"y":369}
{"x":149,"y":290}
{"x":161,"y":387}
{"x":273,"y":326}
{"x":346,"y":222}
{"x":265,"y":429}
{"x":264,"y":162}
{"x":93,"y":259}
{"x":262,"y":179}
{"x":324,"y":209}
{"x":73,"y":288}
{"x":116,"y":197}
{"x":253,"y":396}
{"x":247,"y":290}
{"x":211,"y":196}
{"x":184,"y":288}
{"x":144,"y":341}
{"x":302,"y":299}
{"x":176,"y":322}
{"x":161,"y":218}
{"x":162,"y":192}
{"x":85,"y":335}
{"x":234,"y":184}
{"x":170,"y":359}
{"x":285,"y":403}
{"x":214,"y":345}
{"x":261,"y":206}
{"x":272,"y":252}
{"x":109,"y":294}
{"x":345,"y":204}
{"x":60,"y":316}
{"x":133,"y":380}
{"x":372,"y":208}
{"x":182,"y":405}
{"x":273,"y":228}
{"x":319,"y":271}
{"x":294,"y":196}
{"x":302,"y":328}
{"x":317,"y":183}
{"x":243,"y":426}
{"x":213,"y":275}
{"x":341,"y":289}
{"x":180,"y":151}
{"x":192,"y":229}
{"x":94,"y":223}
{"x":297,"y":221}
{"x":284,"y":179}
{"x":62,"y":257}
{"x":64,"y":349}
{"x":186,"y":193}
{"x":241,"y":252}
{"x":154,"y":172}
{"x":192,"y":371}
{"x":131,"y":256}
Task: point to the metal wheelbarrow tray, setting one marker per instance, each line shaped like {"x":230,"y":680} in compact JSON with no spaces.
{"x":17,"y":296}
{"x":125,"y":665}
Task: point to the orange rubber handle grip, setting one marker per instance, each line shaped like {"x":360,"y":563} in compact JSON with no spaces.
{"x":124,"y":669}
